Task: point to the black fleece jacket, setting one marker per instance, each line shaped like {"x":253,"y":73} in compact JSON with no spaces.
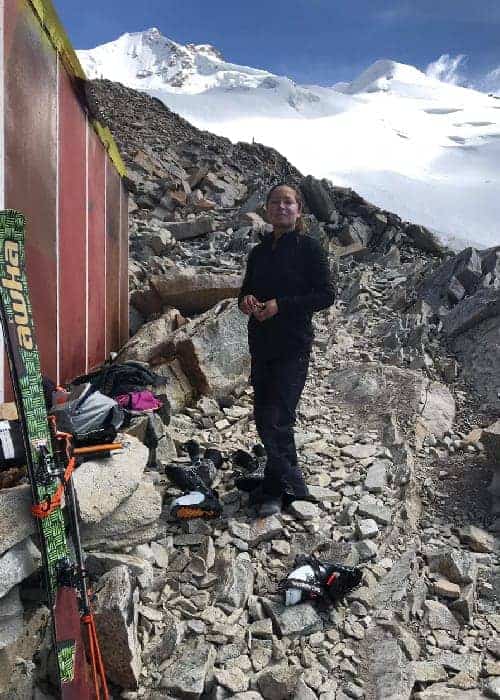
{"x":297,"y":274}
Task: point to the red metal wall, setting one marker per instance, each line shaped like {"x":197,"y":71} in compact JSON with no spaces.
{"x":58,"y":172}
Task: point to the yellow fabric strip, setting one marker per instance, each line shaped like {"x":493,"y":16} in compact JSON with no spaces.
{"x":50,"y":22}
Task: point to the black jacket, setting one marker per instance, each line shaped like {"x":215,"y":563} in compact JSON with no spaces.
{"x":297,"y":274}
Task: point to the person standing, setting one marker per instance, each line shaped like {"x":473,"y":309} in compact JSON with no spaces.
{"x":287,"y":279}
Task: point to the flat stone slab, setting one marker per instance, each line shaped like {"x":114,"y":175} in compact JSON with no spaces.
{"x":16,"y":520}
{"x":295,"y":620}
{"x":102,"y":485}
{"x":323,"y":494}
{"x":439,"y":617}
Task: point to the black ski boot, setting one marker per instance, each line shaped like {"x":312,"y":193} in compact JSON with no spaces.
{"x":312,"y":579}
{"x":250,"y":468}
{"x":199,"y":499}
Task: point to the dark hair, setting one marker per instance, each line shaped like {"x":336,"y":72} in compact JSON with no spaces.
{"x":300,"y":225}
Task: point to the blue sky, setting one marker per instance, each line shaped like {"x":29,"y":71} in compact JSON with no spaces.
{"x":312,"y":41}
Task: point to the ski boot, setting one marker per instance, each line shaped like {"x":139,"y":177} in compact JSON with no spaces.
{"x":199,"y":499}
{"x":196,"y":504}
{"x":250,"y":468}
{"x":312,"y":579}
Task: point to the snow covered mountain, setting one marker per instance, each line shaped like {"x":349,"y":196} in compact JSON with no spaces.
{"x":427,"y":150}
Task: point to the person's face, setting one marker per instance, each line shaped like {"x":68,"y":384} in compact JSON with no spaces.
{"x":283,"y":209}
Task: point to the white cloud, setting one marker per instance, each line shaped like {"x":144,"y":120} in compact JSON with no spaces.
{"x":447,"y":68}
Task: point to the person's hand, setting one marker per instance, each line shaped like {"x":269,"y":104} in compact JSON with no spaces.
{"x":266,"y":310}
{"x":249,"y":304}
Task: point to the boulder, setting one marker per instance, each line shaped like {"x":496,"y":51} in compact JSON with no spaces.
{"x":371,"y":390}
{"x":490,"y":438}
{"x":193,"y":291}
{"x":116,"y":615}
{"x":134,"y":521}
{"x":16,"y":520}
{"x":11,"y":618}
{"x":188,"y":670}
{"x":212,"y":350}
{"x":103,"y":484}
{"x":149,"y":342}
{"x":18,"y":563}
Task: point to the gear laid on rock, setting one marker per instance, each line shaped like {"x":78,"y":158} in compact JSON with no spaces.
{"x":312,"y":579}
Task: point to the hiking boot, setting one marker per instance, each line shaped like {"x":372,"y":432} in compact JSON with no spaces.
{"x":196,"y":505}
{"x":200,"y":475}
{"x":270,"y":507}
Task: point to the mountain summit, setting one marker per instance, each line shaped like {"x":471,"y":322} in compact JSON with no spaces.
{"x":410,"y":143}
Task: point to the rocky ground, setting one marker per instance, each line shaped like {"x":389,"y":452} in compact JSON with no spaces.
{"x":396,"y":436}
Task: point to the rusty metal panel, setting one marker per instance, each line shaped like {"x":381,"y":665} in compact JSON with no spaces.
{"x":73,"y":228}
{"x":96,"y":350}
{"x":124,"y":266}
{"x":113,"y":185}
{"x":31,"y":161}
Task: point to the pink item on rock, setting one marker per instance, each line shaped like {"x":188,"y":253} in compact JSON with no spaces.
{"x":139,"y":401}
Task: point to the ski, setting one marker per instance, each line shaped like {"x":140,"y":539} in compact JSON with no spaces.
{"x":50,"y":477}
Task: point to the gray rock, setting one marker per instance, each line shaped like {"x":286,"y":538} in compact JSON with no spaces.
{"x":424,"y":239}
{"x":390,"y":674}
{"x":233,"y":679}
{"x":367,"y":550}
{"x":366,"y":529}
{"x":492,"y":687}
{"x":11,"y":618}
{"x":187,"y":671}
{"x":116,"y":614}
{"x":117,"y":477}
{"x":264,"y":529}
{"x":98,"y":563}
{"x":393,"y":589}
{"x":456,"y":565}
{"x":13,"y":530}
{"x":213,"y":350}
{"x":183,"y":230}
{"x":279,"y":682}
{"x":358,"y":451}
{"x":428,"y":672}
{"x":148,"y":343}
{"x":235,"y":578}
{"x":303,"y":692}
{"x":128,"y":524}
{"x":490,"y":437}
{"x":467,"y":663}
{"x":325,"y":495}
{"x":439,"y":617}
{"x":376,"y":477}
{"x":194,"y":292}
{"x":472,"y":311}
{"x":442,"y":691}
{"x":477,"y":539}
{"x":18,"y":563}
{"x":372,"y":509}
{"x":304,"y":510}
{"x":295,"y":620}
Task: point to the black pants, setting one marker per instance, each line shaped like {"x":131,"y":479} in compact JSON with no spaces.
{"x":277,"y":386}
